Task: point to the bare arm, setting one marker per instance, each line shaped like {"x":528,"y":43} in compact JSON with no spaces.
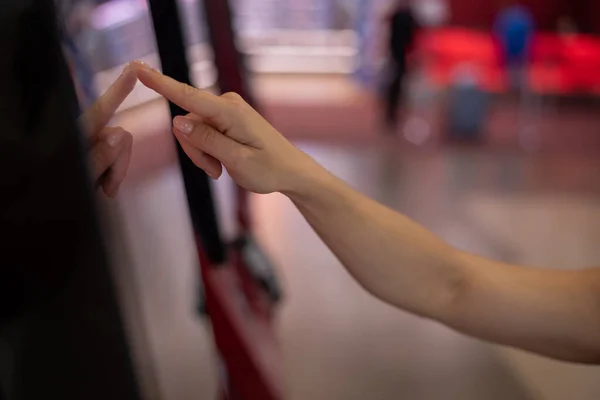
{"x":555,"y":313}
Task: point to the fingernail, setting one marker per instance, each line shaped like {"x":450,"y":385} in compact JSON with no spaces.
{"x":143,"y":66}
{"x":127,"y":68}
{"x":185,"y":125}
{"x":212,"y":175}
{"x":114,"y":140}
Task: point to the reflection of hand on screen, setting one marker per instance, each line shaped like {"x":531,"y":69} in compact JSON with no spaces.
{"x":110,"y":146}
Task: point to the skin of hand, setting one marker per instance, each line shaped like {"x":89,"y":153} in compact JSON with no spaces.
{"x":226,"y":131}
{"x":550,"y":312}
{"x":111,"y":147}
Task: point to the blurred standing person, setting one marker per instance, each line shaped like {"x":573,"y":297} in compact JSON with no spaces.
{"x":432,"y":14}
{"x":403,"y":28}
{"x":514,"y":28}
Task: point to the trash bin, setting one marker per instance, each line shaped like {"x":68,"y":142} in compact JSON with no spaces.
{"x":468,"y":105}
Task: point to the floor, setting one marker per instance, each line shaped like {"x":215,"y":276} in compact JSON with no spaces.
{"x":473,"y":202}
{"x":338,"y":342}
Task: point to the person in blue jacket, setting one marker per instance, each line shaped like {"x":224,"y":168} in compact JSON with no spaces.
{"x":514,"y":28}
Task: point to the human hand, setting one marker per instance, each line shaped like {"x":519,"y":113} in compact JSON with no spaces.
{"x":110,"y":146}
{"x":226,"y":131}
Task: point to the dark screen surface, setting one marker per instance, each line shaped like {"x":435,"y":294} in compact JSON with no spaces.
{"x":61,"y":332}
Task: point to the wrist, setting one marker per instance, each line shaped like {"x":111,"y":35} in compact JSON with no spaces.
{"x":307,"y":179}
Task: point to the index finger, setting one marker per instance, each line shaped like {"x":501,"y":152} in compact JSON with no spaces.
{"x":199,"y":102}
{"x":102,"y":111}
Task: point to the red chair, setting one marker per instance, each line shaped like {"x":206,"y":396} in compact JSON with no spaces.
{"x":545,"y":74}
{"x":581,"y":64}
{"x":547,"y":48}
{"x":448,"y":48}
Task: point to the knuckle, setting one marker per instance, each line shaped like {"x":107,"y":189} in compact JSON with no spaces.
{"x":233,"y":96}
{"x":206,"y":136}
{"x":233,"y":99}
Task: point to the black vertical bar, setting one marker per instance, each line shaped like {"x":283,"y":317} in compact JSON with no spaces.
{"x":171,"y":50}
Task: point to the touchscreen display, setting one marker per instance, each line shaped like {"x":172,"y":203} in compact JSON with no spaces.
{"x":61,"y":333}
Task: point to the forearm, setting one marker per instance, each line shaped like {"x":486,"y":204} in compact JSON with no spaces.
{"x":547,"y":311}
{"x":391,"y":256}
{"x":556,"y":313}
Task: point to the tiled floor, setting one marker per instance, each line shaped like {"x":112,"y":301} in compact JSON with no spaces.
{"x":339,"y":342}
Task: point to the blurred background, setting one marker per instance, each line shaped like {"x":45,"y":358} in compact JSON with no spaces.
{"x":497,"y":157}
